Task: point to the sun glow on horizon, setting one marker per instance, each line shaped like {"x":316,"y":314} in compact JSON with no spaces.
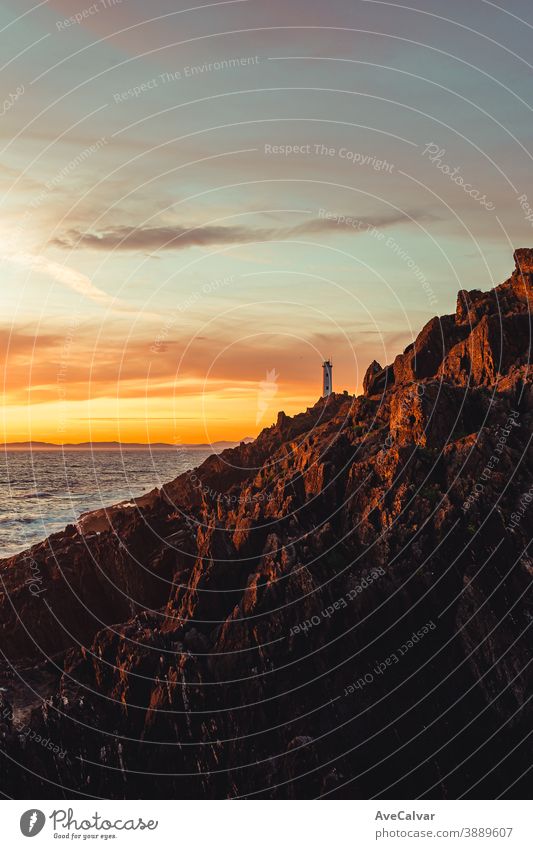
{"x":170,"y":241}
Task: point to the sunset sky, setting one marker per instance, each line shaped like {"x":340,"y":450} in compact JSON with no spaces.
{"x":171,"y":272}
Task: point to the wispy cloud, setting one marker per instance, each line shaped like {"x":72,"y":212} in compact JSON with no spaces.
{"x":62,"y":274}
{"x":179,"y":237}
{"x":123,"y":367}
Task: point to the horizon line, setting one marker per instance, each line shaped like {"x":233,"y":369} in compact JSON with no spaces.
{"x":73,"y":445}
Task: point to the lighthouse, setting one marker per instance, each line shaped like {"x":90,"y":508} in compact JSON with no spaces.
{"x":327,"y":382}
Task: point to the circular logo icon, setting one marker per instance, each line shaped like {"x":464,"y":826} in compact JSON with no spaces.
{"x":32,"y":822}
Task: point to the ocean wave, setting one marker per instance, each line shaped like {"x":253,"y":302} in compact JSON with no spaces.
{"x":51,"y":490}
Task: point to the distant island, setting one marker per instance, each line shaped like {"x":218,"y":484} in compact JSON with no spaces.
{"x":121,"y":446}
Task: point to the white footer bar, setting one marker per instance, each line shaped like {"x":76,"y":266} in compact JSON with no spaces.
{"x":268,"y":824}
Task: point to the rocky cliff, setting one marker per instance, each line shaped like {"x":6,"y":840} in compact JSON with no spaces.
{"x":339,"y":608}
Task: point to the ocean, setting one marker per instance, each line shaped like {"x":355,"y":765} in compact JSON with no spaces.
{"x":42,"y":491}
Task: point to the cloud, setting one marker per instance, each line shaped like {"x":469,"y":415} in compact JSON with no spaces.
{"x":180,"y":237}
{"x":63,"y":274}
{"x":46,"y":367}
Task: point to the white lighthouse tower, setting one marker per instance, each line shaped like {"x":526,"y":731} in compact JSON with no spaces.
{"x":327,"y":382}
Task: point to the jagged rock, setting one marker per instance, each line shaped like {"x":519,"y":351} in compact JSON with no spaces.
{"x":423,"y":358}
{"x":373,"y":369}
{"x":260,"y":648}
{"x":523,"y":258}
{"x":377,"y":379}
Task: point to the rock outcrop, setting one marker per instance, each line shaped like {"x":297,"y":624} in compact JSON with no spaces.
{"x":339,"y":608}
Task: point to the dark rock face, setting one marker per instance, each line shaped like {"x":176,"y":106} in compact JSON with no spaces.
{"x":373,"y":369}
{"x":340,"y":607}
{"x":377,"y":379}
{"x":523,"y":258}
